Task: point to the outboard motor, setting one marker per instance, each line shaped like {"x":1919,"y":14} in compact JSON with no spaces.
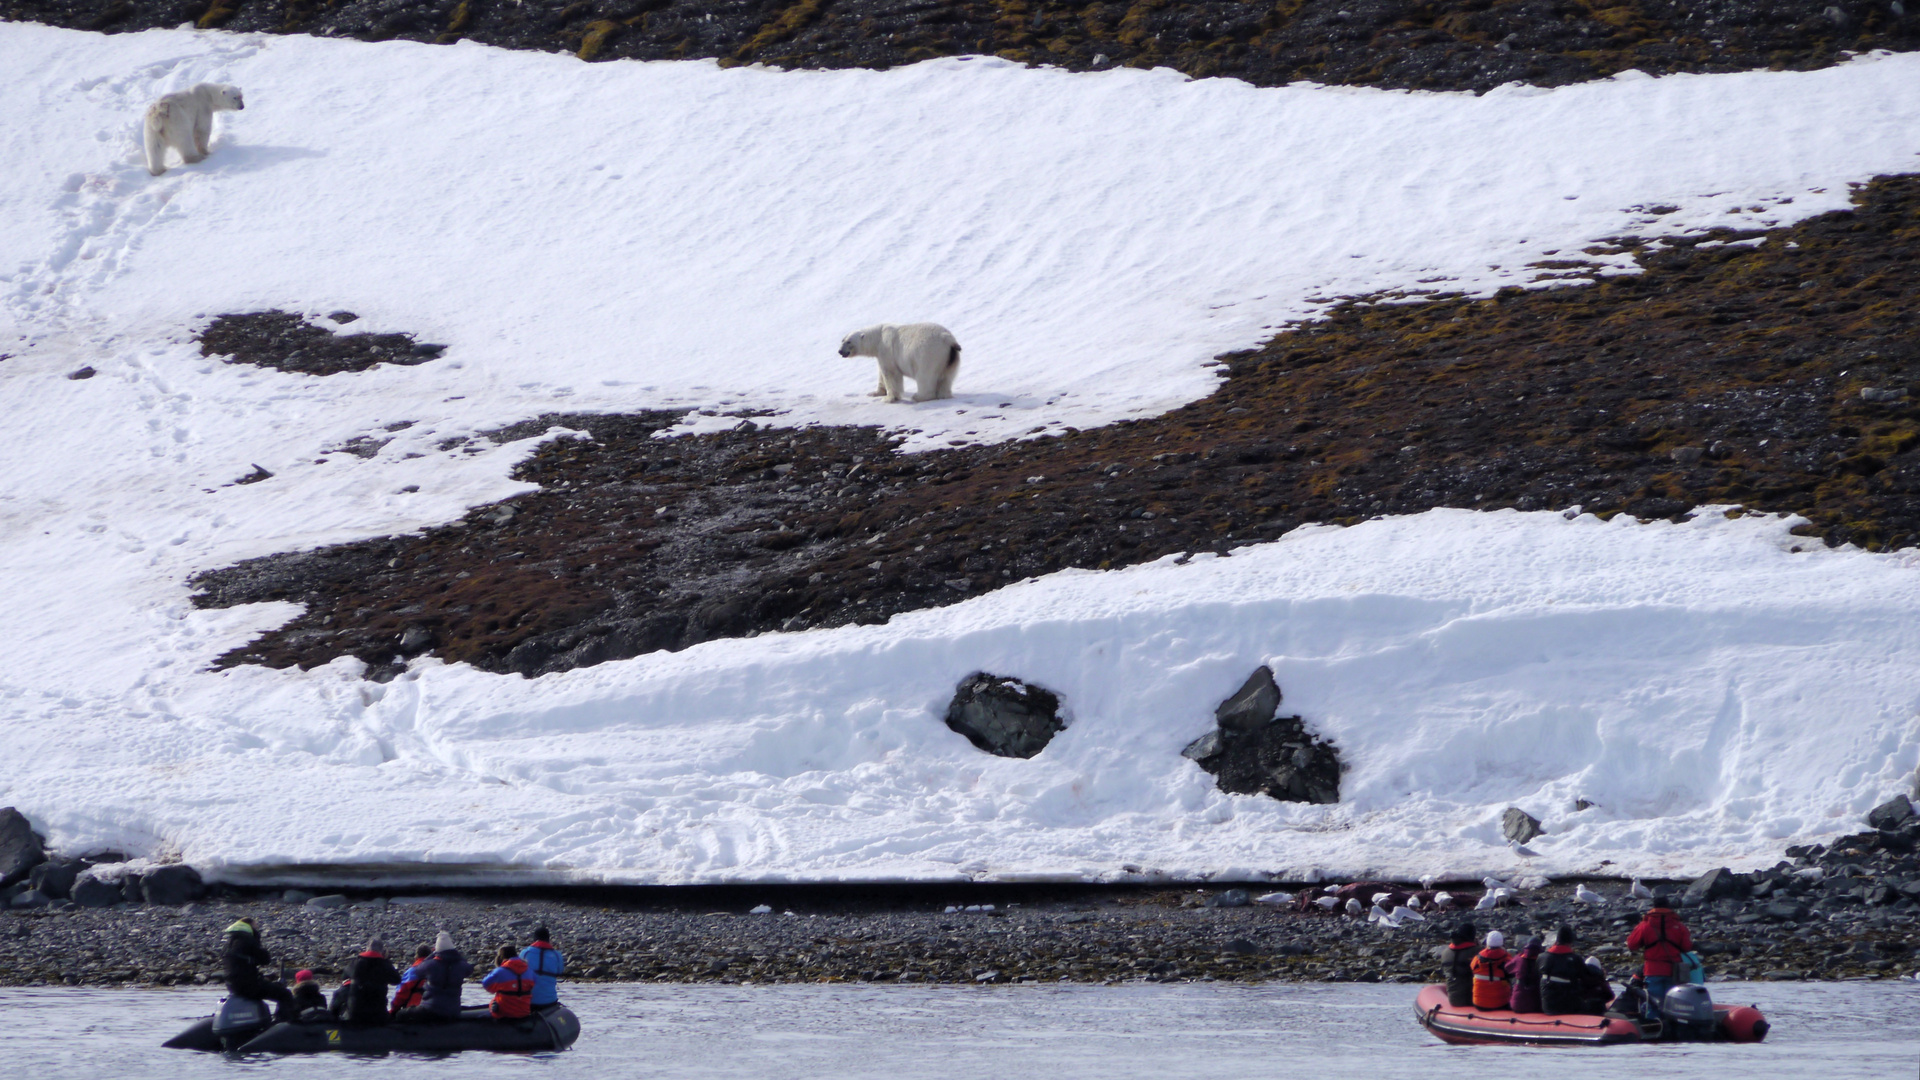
{"x":240,"y":1019}
{"x":1688,"y":1012}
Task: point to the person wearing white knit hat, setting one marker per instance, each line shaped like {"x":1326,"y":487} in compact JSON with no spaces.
{"x":1491,"y":990}
{"x":441,"y":976}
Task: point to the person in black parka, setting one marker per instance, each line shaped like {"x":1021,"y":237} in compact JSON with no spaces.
{"x":440,"y":979}
{"x":367,"y":980}
{"x":1569,"y":984}
{"x":243,"y":960}
{"x":1459,"y":966}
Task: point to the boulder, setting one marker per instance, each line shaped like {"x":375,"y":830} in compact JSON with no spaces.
{"x":20,"y":847}
{"x":1519,"y":826}
{"x":329,"y":901}
{"x":172,"y":885}
{"x":91,"y":892}
{"x":1253,"y":706}
{"x":1784,"y":911}
{"x":296,"y":896}
{"x":1716,"y":885}
{"x":1004,"y":717}
{"x":55,"y":877}
{"x":32,"y":898}
{"x":1891,"y":814}
{"x":130,"y":890}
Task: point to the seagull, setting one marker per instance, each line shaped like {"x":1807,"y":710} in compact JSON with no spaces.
{"x":1811,"y":873}
{"x":1587,"y":896}
{"x":1639,"y":891}
{"x":1413,"y":903}
{"x":1493,"y":883}
{"x":1274,"y":898}
{"x":1521,"y":849}
{"x":1487,"y":901}
{"x":1427,"y":880}
{"x":1442,"y":901}
{"x":1378,"y":914}
{"x":1381,"y":898}
{"x":1331,"y":889}
{"x":1328,"y":903}
{"x":1406,"y":914}
{"x":1353,"y":907}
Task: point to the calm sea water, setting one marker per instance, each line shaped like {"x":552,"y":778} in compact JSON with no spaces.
{"x":942,"y":1033}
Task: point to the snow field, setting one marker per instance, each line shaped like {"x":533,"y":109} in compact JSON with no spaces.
{"x":623,"y":236}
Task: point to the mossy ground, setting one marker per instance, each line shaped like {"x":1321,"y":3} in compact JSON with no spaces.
{"x":1730,"y":371}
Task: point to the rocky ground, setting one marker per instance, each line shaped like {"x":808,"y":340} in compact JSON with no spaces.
{"x":1433,"y":44}
{"x":1776,"y":371}
{"x":1848,"y":910}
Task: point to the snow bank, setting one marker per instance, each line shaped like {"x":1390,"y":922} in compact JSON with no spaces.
{"x":622,"y":236}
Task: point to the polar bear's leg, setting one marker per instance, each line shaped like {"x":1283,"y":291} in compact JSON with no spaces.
{"x":155,"y":145}
{"x":892,"y":383}
{"x":880,"y":390}
{"x":943,"y":387}
{"x":202,"y":131}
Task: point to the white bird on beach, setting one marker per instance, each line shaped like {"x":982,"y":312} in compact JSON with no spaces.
{"x":1587,"y":896}
{"x":1413,"y":903}
{"x":1328,"y":903}
{"x":1331,"y":889}
{"x":1522,"y":850}
{"x":1442,"y":901}
{"x":1353,"y":906}
{"x":1275,"y":899}
{"x":1427,"y":880}
{"x":1493,"y":883}
{"x":1639,"y":891}
{"x":1378,"y":914}
{"x":1404,"y":913}
{"x":1381,"y":897}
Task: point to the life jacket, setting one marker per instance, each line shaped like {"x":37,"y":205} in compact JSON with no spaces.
{"x":545,"y":962}
{"x":1491,"y":989}
{"x":512,"y":990}
{"x":1655,"y":935}
{"x":412,"y":986}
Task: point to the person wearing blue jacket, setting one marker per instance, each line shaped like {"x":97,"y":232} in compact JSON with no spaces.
{"x":544,"y":962}
{"x":440,"y":978}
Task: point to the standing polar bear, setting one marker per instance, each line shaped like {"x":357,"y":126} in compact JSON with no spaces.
{"x":924,"y":352}
{"x":184,"y":121}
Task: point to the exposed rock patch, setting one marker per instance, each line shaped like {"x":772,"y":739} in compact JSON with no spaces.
{"x":1576,"y":396}
{"x":290,"y":343}
{"x":1452,"y":44}
{"x":21,"y":849}
{"x":1005,"y":717}
{"x":1519,"y":826}
{"x":1253,"y":751}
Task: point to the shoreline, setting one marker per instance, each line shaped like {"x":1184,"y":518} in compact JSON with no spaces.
{"x":878,"y":934}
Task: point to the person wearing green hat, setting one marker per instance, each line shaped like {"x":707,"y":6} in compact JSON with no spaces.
{"x":244,"y":958}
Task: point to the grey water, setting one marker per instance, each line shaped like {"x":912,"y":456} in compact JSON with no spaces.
{"x":850,"y":1032}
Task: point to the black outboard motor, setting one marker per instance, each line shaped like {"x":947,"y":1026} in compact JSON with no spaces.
{"x":240,"y":1019}
{"x":1688,"y":1013}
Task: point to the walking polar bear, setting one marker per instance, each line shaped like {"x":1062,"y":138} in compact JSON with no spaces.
{"x":924,"y":352}
{"x":184,"y":121}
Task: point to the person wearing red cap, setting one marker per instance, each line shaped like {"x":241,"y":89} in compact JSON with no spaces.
{"x":307,"y":996}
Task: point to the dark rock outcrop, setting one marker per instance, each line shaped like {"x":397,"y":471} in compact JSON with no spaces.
{"x":1714,"y":885}
{"x":91,"y":892}
{"x":1519,"y":826}
{"x":55,"y":877}
{"x":172,"y":885}
{"x":1265,"y":754}
{"x":1005,"y":717}
{"x":21,"y":849}
{"x":1891,"y":814}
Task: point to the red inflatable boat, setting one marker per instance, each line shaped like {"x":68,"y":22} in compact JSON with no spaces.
{"x":1741,"y":1023}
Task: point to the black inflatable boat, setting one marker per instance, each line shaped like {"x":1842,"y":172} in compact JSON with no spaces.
{"x":241,"y":1026}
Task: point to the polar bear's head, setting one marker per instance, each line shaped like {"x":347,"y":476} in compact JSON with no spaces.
{"x":861,"y":342}
{"x":227,"y":97}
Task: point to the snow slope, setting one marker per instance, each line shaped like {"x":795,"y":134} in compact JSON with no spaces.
{"x":620,"y":236}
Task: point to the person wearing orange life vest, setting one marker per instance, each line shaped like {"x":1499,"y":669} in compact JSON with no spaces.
{"x":411,"y":987}
{"x":1491,"y":989}
{"x":511,"y":985}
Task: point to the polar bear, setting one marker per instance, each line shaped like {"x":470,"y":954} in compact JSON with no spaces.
{"x":924,"y":352}
{"x":184,"y":121}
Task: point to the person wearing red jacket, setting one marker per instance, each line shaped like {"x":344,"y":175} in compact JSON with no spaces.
{"x":1663,"y":937}
{"x":1491,"y":990}
{"x":411,"y":986}
{"x":511,"y":985}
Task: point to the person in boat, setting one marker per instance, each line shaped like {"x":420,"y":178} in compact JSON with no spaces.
{"x":1459,"y":967}
{"x":309,"y":1001}
{"x":1491,"y":990}
{"x":511,"y":984}
{"x":243,"y":960}
{"x":546,"y":963}
{"x":1569,"y":984}
{"x":408,"y":995}
{"x":366,"y":987}
{"x":1632,"y":1001}
{"x":1523,"y":971}
{"x":440,"y":977}
{"x":1663,"y":937}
